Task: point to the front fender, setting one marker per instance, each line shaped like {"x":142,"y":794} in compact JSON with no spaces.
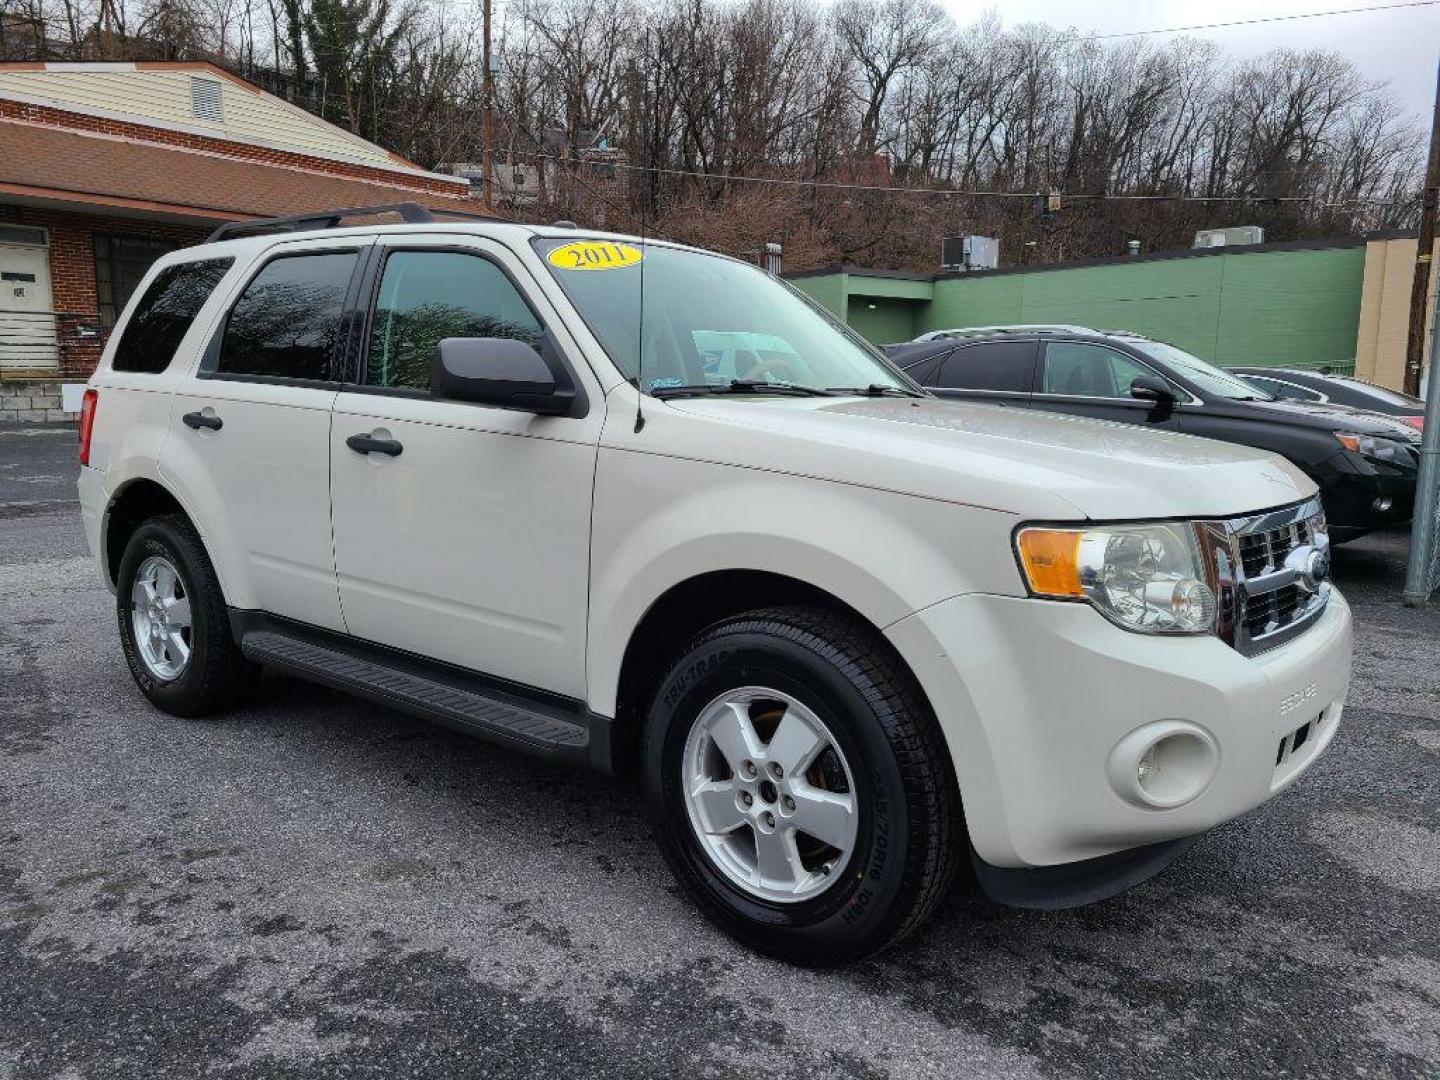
{"x":662,"y":521}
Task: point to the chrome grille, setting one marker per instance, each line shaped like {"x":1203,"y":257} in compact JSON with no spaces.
{"x":1273,"y":571}
{"x":1262,"y":552}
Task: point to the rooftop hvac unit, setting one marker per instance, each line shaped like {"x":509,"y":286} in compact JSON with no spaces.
{"x":960,"y":253}
{"x":1238,"y":234}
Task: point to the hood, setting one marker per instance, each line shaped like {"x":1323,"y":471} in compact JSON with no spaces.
{"x":1034,"y":464}
{"x":1321,"y":415}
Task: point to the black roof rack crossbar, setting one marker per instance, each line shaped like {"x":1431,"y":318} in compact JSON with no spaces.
{"x":410,"y":212}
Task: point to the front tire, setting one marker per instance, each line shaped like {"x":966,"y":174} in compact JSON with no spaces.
{"x":799,"y":785}
{"x":174,"y":626}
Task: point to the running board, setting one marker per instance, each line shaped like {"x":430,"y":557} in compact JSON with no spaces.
{"x":556,"y":729}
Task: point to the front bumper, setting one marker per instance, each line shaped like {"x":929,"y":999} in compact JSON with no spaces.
{"x":1359,"y":504}
{"x":1360,"y":497}
{"x":1036,"y":698}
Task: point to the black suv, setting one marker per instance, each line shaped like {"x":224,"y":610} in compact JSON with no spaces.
{"x":1365,"y":463}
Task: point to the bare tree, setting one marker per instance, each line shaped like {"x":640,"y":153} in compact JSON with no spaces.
{"x":876,"y":126}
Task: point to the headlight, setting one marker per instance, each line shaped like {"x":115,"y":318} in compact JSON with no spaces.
{"x":1369,"y":446}
{"x":1146,"y":578}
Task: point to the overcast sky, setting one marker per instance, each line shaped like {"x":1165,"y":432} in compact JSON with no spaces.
{"x":1400,"y":46}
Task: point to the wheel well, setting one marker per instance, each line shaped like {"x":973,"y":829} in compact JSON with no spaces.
{"x":135,"y":504}
{"x":676,"y":617}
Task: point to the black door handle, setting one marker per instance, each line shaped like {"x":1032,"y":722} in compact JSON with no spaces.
{"x":198,"y":420}
{"x":368,"y":444}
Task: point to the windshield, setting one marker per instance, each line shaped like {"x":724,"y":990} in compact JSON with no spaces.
{"x":1207,"y":378}
{"x":709,"y":320}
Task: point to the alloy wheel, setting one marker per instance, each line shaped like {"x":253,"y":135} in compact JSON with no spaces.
{"x":160,"y":618}
{"x":769,"y":794}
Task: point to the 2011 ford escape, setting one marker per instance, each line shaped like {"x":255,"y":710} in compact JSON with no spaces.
{"x":847,"y":635}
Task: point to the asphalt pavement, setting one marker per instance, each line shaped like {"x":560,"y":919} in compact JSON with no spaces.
{"x":313,"y":886}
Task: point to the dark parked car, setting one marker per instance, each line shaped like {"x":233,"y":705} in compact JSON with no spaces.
{"x":1299,"y":385}
{"x":1364,"y":463}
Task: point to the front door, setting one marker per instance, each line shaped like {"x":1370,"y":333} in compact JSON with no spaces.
{"x":468,"y":542}
{"x":1087,"y":379}
{"x":27,"y":316}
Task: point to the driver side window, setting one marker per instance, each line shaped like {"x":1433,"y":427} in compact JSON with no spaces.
{"x":426,"y":296}
{"x":1077,"y":369}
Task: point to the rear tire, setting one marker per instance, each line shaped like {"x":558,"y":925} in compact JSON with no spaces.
{"x":838,"y":683}
{"x":174,"y":625}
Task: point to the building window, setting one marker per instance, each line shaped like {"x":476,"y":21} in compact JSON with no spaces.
{"x":22,"y":235}
{"x":120,"y":263}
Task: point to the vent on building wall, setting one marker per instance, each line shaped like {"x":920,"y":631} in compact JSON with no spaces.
{"x":206,"y":100}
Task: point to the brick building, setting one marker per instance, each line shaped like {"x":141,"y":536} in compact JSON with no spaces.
{"x":104,"y":167}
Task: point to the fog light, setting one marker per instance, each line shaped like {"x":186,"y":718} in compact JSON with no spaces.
{"x":1164,"y":764}
{"x":1382,"y":504}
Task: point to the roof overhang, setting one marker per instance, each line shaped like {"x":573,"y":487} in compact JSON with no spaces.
{"x":84,"y":171}
{"x":115,"y":206}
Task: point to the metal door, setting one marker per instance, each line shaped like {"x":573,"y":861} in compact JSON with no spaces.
{"x":27,"y":316}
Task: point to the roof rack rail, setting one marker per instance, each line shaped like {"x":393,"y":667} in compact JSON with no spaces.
{"x":412,"y":213}
{"x":1003,"y":330}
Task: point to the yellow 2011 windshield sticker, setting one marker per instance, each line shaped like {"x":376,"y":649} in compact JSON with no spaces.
{"x":594,"y":255}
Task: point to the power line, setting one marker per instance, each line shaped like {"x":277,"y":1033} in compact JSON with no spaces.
{"x":977,"y":194}
{"x":1261,"y":19}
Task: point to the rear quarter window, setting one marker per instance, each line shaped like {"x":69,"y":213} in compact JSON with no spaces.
{"x":164,"y":314}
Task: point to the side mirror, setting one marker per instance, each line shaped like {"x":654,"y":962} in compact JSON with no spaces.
{"x":501,"y":372}
{"x":1152,"y":388}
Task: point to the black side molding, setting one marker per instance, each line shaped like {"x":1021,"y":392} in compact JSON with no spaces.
{"x":532,"y":721}
{"x":1051,"y":888}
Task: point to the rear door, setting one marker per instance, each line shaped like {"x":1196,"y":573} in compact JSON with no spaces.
{"x":471,"y":544}
{"x":1089,"y":379}
{"x":998,"y":372}
{"x":249,"y":444}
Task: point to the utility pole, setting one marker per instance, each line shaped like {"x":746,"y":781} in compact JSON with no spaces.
{"x":487,"y":153}
{"x":1422,"y":573}
{"x":1415,"y":342}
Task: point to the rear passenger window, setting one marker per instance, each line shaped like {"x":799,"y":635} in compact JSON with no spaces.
{"x":164,"y":314}
{"x":286,"y":324}
{"x":426,"y":296}
{"x":1005,"y":366}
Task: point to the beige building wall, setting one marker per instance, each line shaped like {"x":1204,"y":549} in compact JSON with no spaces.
{"x":1385,"y":310}
{"x":164,"y":96}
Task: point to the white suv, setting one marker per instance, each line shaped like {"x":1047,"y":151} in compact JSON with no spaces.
{"x":847,"y":636}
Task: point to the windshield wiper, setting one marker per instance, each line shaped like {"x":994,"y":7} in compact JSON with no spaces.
{"x":739,"y":386}
{"x":874,"y":390}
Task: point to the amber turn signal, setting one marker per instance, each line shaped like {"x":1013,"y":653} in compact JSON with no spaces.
{"x":1050,"y":558}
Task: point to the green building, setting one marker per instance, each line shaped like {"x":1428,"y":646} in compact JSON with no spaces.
{"x":1292,"y":304}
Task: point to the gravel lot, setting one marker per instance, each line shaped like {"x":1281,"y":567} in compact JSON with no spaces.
{"x":316,"y":887}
